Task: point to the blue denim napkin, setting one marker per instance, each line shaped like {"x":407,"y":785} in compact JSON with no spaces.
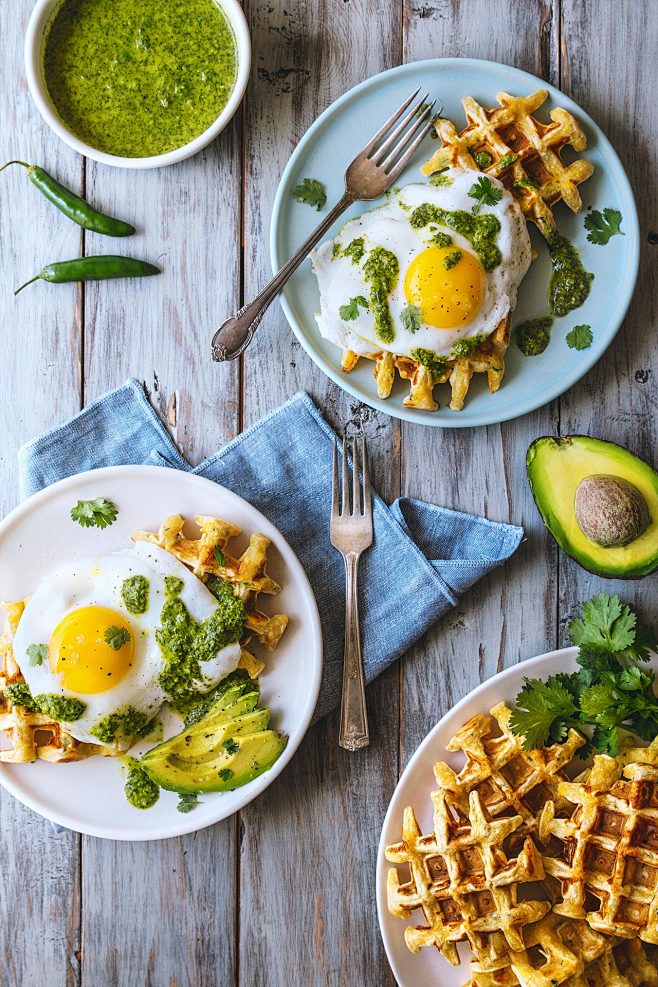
{"x":422,"y":558}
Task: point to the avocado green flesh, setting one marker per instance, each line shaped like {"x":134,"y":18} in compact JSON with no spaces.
{"x":257,"y":753}
{"x":556,"y":466}
{"x":206,"y":745}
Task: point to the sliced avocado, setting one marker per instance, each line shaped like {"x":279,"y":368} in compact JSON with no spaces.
{"x":255,"y":754}
{"x":204,"y":746}
{"x":599,"y":501}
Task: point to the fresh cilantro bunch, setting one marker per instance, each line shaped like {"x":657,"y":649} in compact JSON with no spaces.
{"x":610,"y":692}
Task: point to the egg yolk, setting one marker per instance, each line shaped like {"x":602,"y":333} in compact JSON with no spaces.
{"x":447,"y":288}
{"x":83,"y":649}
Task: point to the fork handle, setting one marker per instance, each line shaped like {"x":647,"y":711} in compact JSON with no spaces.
{"x":353,"y":714}
{"x":233,"y":337}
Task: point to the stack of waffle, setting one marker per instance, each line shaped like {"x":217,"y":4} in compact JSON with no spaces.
{"x":549,"y":881}
{"x":31,"y":735}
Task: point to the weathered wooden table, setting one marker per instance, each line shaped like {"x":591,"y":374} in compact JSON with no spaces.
{"x":282,"y":895}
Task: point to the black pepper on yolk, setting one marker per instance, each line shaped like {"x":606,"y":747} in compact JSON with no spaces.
{"x":80,"y":652}
{"x":448,"y":297}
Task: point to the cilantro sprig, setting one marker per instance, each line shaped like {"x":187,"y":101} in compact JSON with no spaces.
{"x":187,"y":802}
{"x":608,"y":696}
{"x":116,"y":637}
{"x":310,"y":191}
{"x":410,"y":317}
{"x":350,"y":311}
{"x":580,"y":337}
{"x":97,"y":513}
{"x":37,"y":653}
{"x":485,"y":192}
{"x":603,"y":225}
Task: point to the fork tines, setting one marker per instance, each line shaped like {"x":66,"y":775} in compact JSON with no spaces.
{"x":361,"y":495}
{"x":385,"y":151}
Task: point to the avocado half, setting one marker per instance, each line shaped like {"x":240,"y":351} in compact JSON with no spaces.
{"x":556,"y":469}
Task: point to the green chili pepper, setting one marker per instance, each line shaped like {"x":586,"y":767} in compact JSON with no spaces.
{"x":93,"y":269}
{"x":72,"y":205}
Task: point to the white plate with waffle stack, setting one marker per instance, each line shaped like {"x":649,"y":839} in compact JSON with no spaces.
{"x":87,"y":795}
{"x":428,"y":968}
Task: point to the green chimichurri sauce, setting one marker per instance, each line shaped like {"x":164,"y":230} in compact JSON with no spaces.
{"x":481,"y":231}
{"x":137,"y":78}
{"x":140,"y":791}
{"x":533,"y":336}
{"x":123,"y":724}
{"x":570,"y":282}
{"x":381,"y":272}
{"x":186,"y":642}
{"x":64,"y":709}
{"x":135,"y":594}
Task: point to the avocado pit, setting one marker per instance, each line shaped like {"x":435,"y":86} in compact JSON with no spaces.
{"x":610,"y":510}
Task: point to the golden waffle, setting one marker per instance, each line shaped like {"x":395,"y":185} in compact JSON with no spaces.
{"x":537,"y":177}
{"x":507,"y":778}
{"x":464,"y":882}
{"x":562,"y":952}
{"x":488,"y":358}
{"x":32,"y":735}
{"x":605,"y":851}
{"x":207,"y":555}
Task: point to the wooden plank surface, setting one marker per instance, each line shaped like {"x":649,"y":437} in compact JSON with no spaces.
{"x":307,"y":911}
{"x":283,"y":894}
{"x":40,"y":346}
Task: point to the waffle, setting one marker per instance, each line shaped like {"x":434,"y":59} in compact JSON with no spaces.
{"x":464,"y":882}
{"x":562,"y":952}
{"x":604,"y":852}
{"x":32,"y":735}
{"x":207,"y":556}
{"x":488,"y":358}
{"x":507,"y":778}
{"x":537,"y":178}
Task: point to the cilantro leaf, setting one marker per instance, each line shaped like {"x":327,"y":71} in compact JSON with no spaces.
{"x":538,"y":706}
{"x":37,"y":653}
{"x":605,"y":741}
{"x":485,"y":192}
{"x":231,"y":746}
{"x":603,"y":225}
{"x":580,"y":337}
{"x":225,"y":774}
{"x":187,"y":802}
{"x":605,"y":624}
{"x":312,"y":192}
{"x":410,"y":318}
{"x":219,"y":555}
{"x":98,"y":513}
{"x":116,"y":637}
{"x":350,"y":311}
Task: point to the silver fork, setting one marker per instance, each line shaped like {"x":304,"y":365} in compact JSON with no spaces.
{"x":370,"y":174}
{"x":351,"y":534}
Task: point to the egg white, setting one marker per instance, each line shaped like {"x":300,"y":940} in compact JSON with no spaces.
{"x":97,"y":582}
{"x":340,"y":279}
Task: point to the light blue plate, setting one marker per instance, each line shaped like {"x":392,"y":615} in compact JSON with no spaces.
{"x":330,"y":144}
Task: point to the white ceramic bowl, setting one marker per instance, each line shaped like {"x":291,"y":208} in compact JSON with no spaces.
{"x":34,"y":39}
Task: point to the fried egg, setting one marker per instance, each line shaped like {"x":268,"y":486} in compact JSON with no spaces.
{"x":453,"y":282}
{"x":71,"y":614}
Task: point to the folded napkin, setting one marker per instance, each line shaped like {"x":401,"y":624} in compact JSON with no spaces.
{"x":422,"y":557}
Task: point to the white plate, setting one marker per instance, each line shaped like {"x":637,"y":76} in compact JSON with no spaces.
{"x":428,"y":968}
{"x":87,"y":796}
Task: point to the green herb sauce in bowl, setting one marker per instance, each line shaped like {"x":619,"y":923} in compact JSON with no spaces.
{"x":137,"y":83}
